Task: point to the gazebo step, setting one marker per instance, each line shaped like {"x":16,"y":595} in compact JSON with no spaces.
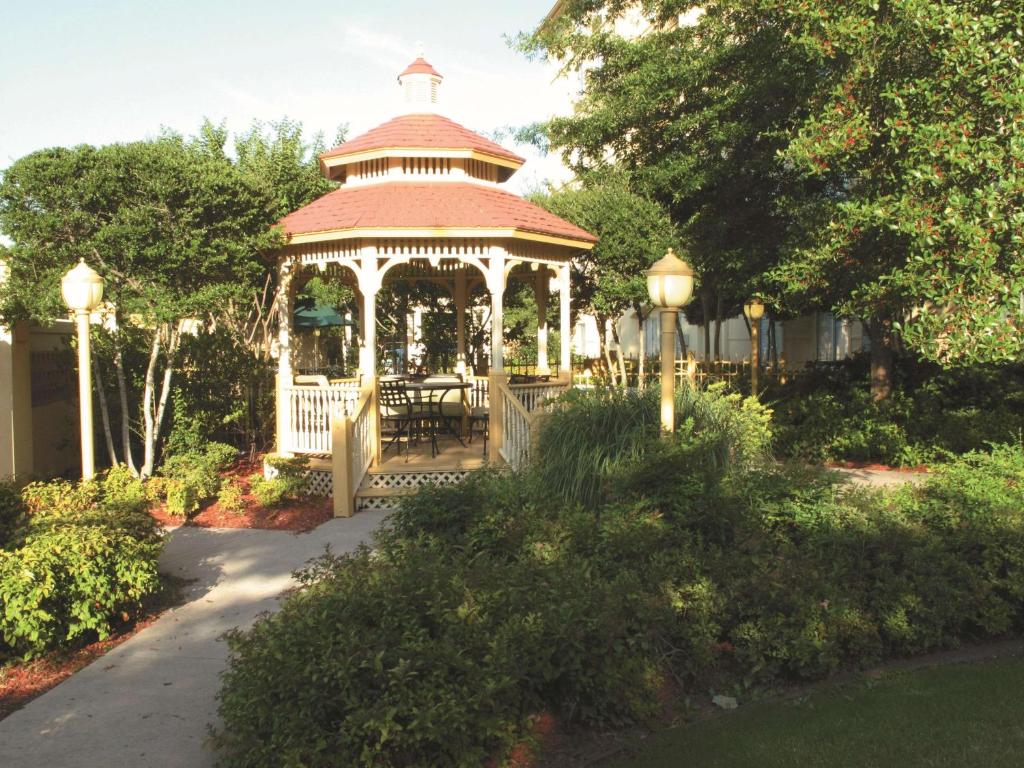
{"x":381,"y":498}
{"x":383,"y":493}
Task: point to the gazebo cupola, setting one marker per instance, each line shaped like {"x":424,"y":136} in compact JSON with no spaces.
{"x":421,"y":199}
{"x":420,"y":83}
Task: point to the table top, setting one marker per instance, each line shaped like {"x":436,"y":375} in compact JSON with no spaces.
{"x":430,"y":385}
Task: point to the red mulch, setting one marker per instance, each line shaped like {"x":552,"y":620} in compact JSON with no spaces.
{"x":302,"y":515}
{"x":874,"y":467}
{"x":20,"y":682}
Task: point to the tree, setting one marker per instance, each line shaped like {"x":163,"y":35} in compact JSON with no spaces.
{"x":917,"y":117}
{"x":633,"y":233}
{"x":698,"y":113}
{"x":176,"y":230}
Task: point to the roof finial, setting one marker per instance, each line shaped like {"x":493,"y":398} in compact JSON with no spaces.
{"x":420,"y":51}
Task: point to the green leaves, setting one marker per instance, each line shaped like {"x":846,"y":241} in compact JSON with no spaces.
{"x":919,"y":111}
{"x":86,"y":557}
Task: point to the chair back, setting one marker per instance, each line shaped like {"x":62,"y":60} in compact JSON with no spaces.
{"x":394,"y":398}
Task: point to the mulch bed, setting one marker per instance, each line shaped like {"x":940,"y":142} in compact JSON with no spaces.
{"x":301,"y":515}
{"x":20,"y":682}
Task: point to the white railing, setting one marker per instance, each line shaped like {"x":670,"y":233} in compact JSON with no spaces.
{"x":515,"y":412}
{"x":515,"y":433}
{"x":309,"y":410}
{"x":355,"y":444}
{"x":479,"y":394}
{"x":536,"y":396}
{"x":363,"y":443}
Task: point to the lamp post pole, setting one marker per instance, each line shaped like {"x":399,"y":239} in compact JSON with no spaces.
{"x":82,"y":290}
{"x":754,"y":310}
{"x":670,"y":287}
{"x":85,"y":394}
{"x":668,"y":369}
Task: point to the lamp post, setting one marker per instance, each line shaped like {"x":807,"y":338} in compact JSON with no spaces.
{"x":670,"y":287}
{"x":82,"y":290}
{"x":754,"y":310}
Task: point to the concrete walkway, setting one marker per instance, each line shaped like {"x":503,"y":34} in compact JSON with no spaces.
{"x":149,"y":702}
{"x":880,"y":478}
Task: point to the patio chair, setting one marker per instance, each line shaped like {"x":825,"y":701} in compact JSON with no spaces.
{"x":398,"y":409}
{"x":480,"y":416}
{"x":451,"y":407}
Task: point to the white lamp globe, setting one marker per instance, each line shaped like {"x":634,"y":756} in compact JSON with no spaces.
{"x":670,"y":282}
{"x":82,"y":288}
{"x":754,"y":309}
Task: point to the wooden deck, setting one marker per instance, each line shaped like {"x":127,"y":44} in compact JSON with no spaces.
{"x":452,"y":456}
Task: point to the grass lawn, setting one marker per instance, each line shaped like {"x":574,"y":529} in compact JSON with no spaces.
{"x":962,"y":715}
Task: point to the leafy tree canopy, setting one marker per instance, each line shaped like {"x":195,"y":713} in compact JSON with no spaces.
{"x":918,"y":112}
{"x":173,"y":229}
{"x":697,"y":113}
{"x":634,"y":232}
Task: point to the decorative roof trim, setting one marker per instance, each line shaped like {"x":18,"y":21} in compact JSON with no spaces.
{"x":432,"y":232}
{"x":336,"y":161}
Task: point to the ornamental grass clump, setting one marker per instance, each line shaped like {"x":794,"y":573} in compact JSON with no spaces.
{"x":590,"y":436}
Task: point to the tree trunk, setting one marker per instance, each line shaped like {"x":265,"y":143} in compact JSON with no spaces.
{"x":126,"y":421}
{"x":705,"y":303}
{"x":148,"y":411}
{"x":606,"y":348}
{"x":718,"y":328}
{"x":641,"y":369}
{"x":619,"y":357}
{"x":101,"y":393}
{"x":881,"y":359}
{"x":681,"y":335}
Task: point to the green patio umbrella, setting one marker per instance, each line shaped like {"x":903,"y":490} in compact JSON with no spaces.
{"x":308,"y":314}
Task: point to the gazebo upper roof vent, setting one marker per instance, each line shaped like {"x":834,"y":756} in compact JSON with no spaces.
{"x":419,"y":83}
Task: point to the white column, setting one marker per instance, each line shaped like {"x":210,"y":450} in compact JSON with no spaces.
{"x":369,"y":284}
{"x":496,"y":286}
{"x":541,"y":290}
{"x":461,"y":299}
{"x":565,"y":328}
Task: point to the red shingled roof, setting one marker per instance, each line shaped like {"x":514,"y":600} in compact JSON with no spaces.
{"x":416,"y":204}
{"x":420,"y":67}
{"x":422,"y":131}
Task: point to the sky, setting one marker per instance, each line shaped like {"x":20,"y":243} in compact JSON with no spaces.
{"x":102,"y":71}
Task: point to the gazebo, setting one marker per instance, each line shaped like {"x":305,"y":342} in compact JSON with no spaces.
{"x":420,"y":200}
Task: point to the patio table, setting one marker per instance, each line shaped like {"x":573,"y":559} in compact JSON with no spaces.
{"x":443,"y":386}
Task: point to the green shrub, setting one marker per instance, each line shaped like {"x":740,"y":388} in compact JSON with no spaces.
{"x":827,"y":414}
{"x":487,"y":602}
{"x":194,"y":476}
{"x":60,"y":495}
{"x":289,"y":481}
{"x":87,"y":559}
{"x":183,"y":497}
{"x":230,"y":499}
{"x":13,"y":516}
{"x":120,"y":488}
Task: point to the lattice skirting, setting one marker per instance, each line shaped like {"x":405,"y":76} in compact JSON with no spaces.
{"x":319,"y":482}
{"x":415,"y":479}
{"x":367,"y":503}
